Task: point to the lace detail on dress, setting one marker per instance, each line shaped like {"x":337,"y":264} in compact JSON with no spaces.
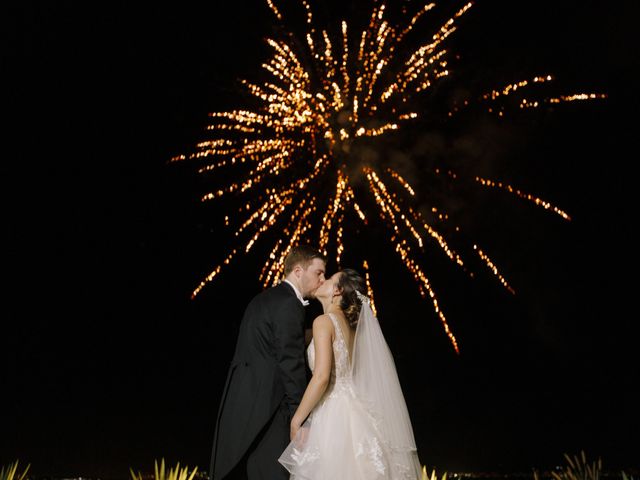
{"x":371,"y":448}
{"x":341,"y":352}
{"x":304,"y":456}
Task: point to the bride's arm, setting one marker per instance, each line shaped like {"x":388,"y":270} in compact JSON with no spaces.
{"x":322,"y":330}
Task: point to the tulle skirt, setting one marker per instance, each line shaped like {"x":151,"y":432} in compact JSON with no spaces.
{"x":339,"y":441}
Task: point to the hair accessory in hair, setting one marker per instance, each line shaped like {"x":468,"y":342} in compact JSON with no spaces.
{"x":363,"y":298}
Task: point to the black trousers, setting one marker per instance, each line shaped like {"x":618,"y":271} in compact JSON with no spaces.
{"x":260,"y":462}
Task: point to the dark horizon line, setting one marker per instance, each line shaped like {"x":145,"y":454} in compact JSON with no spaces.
{"x":632,"y":471}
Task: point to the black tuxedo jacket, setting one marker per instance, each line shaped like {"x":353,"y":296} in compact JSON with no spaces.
{"x":267,"y":371}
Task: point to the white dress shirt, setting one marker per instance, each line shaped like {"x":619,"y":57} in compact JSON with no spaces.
{"x":298,"y":294}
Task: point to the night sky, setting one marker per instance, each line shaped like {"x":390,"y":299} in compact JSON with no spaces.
{"x":105,"y":362}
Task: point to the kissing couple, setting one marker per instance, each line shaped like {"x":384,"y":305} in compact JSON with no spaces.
{"x":348,"y":421}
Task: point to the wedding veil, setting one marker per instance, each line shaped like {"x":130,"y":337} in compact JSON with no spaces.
{"x":376,"y":384}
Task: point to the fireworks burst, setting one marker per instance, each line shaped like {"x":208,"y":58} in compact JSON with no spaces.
{"x":294,"y":156}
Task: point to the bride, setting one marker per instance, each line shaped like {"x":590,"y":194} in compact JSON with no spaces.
{"x":352,"y":422}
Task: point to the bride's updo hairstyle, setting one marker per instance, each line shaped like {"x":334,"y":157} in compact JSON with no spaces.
{"x":350,"y":281}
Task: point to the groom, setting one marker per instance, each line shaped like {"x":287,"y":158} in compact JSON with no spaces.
{"x":267,"y":376}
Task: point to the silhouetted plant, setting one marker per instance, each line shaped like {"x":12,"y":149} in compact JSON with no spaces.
{"x":433,"y":476}
{"x":577,"y":469}
{"x":9,"y":472}
{"x":175,"y":473}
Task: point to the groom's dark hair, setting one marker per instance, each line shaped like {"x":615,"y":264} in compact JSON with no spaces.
{"x":303,"y":255}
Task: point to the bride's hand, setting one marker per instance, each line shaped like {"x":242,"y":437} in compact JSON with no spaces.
{"x":299,"y":434}
{"x":295,"y":426}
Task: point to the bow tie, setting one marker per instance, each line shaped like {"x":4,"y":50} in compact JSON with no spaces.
{"x":305,"y":302}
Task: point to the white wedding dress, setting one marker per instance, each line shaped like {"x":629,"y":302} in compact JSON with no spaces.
{"x":340,"y":439}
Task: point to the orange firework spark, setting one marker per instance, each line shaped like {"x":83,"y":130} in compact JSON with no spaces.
{"x":294,"y":153}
